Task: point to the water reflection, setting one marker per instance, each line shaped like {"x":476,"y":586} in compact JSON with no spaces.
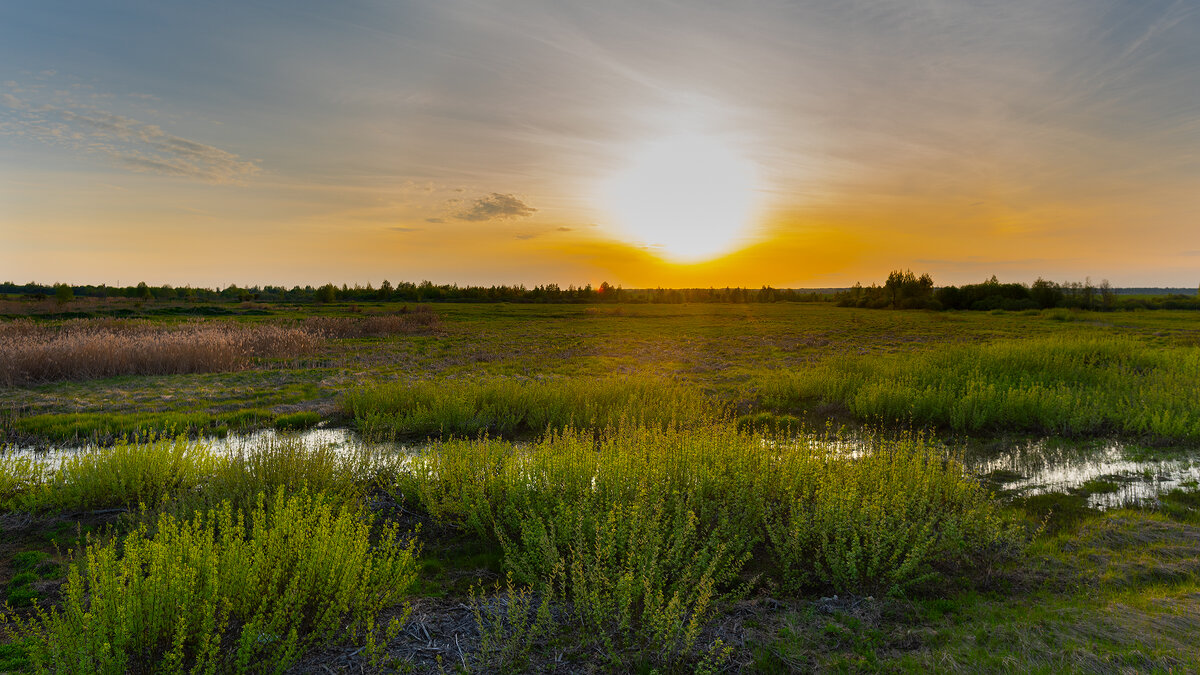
{"x":1110,"y":473}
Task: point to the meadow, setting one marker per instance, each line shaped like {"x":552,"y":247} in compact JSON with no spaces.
{"x":591,"y":488}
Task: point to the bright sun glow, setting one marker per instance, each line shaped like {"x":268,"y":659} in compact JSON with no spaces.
{"x":689,"y":196}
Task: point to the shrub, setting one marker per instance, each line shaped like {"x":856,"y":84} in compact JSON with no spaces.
{"x":222,"y":592}
{"x":642,"y":530}
{"x":124,"y":475}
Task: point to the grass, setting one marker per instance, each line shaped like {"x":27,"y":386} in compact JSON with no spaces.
{"x":513,"y":408}
{"x":156,"y":472}
{"x":1061,"y":385}
{"x":723,"y":351}
{"x":621,"y":491}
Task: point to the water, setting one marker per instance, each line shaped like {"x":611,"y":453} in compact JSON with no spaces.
{"x":1050,"y":465}
{"x":339,"y":439}
{"x":1023,"y":467}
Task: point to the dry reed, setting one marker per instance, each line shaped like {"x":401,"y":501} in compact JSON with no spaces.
{"x":85,"y":349}
{"x":32,"y":352}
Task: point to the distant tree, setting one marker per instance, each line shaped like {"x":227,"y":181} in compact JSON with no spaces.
{"x":385,"y":290}
{"x":63,"y":293}
{"x":1046,"y":294}
{"x":326,"y":293}
{"x":1107,"y":297}
{"x":143,"y":291}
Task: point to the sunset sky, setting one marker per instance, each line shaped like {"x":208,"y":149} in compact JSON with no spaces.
{"x":644,"y":143}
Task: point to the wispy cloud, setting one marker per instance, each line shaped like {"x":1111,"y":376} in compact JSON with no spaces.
{"x":496,"y":206}
{"x":129,"y":143}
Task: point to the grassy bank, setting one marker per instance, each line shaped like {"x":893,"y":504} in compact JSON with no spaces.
{"x":513,"y":408}
{"x":728,"y":352}
{"x":1060,"y":384}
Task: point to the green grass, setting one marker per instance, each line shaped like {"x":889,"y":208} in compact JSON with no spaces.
{"x":724,"y":351}
{"x":107,"y":427}
{"x":1062,"y":385}
{"x":513,"y":408}
{"x":294,"y":421}
{"x":669,"y":495}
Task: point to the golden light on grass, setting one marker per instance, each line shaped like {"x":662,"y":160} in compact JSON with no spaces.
{"x":689,"y":197}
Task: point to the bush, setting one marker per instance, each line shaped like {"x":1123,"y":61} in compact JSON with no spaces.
{"x":643,"y":530}
{"x":222,"y":592}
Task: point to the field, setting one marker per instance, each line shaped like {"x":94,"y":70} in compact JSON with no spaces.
{"x":596,"y":488}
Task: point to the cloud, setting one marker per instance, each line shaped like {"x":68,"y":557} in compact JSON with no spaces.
{"x":435,"y":220}
{"x":129,"y":143}
{"x":1190,"y":253}
{"x":404,"y":229}
{"x":564,"y":228}
{"x":496,"y":206}
{"x":529,"y":235}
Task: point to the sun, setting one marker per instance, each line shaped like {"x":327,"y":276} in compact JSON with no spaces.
{"x":689,"y":196}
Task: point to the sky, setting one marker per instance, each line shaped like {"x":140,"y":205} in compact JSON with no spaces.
{"x":643,"y":143}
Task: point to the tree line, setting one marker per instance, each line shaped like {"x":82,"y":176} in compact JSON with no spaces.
{"x":905,"y":290}
{"x":426,"y":291}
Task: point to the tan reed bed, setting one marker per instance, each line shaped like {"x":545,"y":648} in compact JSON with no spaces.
{"x":76,"y":350}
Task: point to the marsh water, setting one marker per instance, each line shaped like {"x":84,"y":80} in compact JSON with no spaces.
{"x":1110,"y":473}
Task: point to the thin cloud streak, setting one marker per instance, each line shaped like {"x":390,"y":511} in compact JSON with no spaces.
{"x":127,"y":142}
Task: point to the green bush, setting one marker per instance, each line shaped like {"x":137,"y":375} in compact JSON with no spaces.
{"x":124,"y":475}
{"x":642,"y":530}
{"x":222,"y":592}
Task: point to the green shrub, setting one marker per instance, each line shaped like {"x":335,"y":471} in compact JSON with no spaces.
{"x":642,"y":530}
{"x":223,"y":592}
{"x":877,"y":522}
{"x":127,"y":474}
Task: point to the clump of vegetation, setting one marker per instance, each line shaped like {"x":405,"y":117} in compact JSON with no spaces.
{"x":121,"y":476}
{"x":1058,"y":384}
{"x":85,"y":349}
{"x":643,"y":531}
{"x":508,"y":407}
{"x":299,"y":420}
{"x":223,"y":591}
